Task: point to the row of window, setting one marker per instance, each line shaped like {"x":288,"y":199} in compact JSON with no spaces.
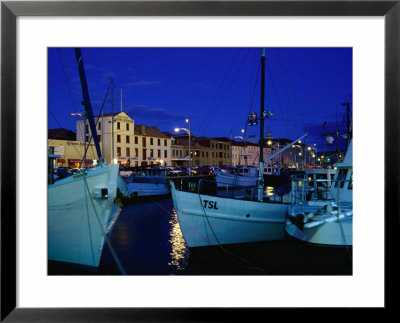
{"x":144,"y":155}
{"x":220,"y":146}
{"x":127,"y":140}
{"x":204,"y":154}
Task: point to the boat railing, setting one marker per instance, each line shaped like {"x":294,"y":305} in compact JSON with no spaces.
{"x":301,"y":192}
{"x":209,"y":187}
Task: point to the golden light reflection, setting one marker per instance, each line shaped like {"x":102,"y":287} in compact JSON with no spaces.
{"x":179,"y":253}
{"x":269,"y":191}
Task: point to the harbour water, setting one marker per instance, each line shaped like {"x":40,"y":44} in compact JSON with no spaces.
{"x":147,"y":240}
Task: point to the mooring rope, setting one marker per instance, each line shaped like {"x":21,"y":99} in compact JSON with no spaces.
{"x":113,"y":253}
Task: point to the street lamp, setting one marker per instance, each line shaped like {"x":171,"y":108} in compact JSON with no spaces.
{"x":83,"y":116}
{"x":244,"y":144}
{"x":188,"y":132}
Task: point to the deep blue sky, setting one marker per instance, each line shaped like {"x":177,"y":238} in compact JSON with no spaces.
{"x":215,"y":88}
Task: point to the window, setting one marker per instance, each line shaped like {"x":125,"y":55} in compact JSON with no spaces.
{"x":99,"y":126}
{"x":99,"y":137}
{"x":118,"y":138}
{"x":159,"y":142}
{"x":165,"y":142}
{"x":119,"y":151}
{"x":144,"y":154}
{"x":144,"y":141}
{"x":151,"y":153}
{"x":136,"y":140}
{"x":151,"y":141}
{"x":127,"y":138}
{"x":87,"y":128}
{"x":165,"y":154}
{"x":136,"y":152}
{"x":128,"y":152}
{"x":127,"y":126}
{"x":159,"y":153}
{"x":119,"y":125}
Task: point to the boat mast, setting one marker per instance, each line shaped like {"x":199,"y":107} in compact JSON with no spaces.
{"x":260,"y":181}
{"x":87,"y":103}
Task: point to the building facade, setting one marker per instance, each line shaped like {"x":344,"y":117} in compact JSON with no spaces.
{"x":72,"y":153}
{"x":128,"y":144}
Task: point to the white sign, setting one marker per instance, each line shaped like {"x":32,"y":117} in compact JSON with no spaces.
{"x":58,"y":150}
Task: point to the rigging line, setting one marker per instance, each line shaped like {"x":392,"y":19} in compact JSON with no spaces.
{"x":200,"y":128}
{"x":292,"y":59}
{"x":227,"y":89}
{"x":97,"y":122}
{"x":294,"y":94}
{"x":113,"y":253}
{"x":73,"y":98}
{"x":252,"y":266}
{"x":280,"y":105}
{"x":290,"y":116}
{"x":252,"y":97}
{"x":51,"y":113}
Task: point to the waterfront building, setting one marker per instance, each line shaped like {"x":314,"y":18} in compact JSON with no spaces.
{"x":151,"y":146}
{"x":71,"y":153}
{"x":126,"y":143}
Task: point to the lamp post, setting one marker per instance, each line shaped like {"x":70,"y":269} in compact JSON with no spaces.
{"x":244,"y":143}
{"x":188,"y":132}
{"x":83,"y":116}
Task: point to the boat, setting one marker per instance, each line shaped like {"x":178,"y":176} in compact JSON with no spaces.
{"x":241,"y":176}
{"x":83,"y":208}
{"x":208,"y":216}
{"x":146,"y":181}
{"x":325,"y":218}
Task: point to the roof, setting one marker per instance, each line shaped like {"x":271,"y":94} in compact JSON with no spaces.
{"x":61,"y":133}
{"x":149,"y":131}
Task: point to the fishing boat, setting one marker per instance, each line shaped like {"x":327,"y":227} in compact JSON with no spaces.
{"x":241,"y":176}
{"x":83,"y":208}
{"x":146,"y":181}
{"x":208,"y":216}
{"x":326,"y":219}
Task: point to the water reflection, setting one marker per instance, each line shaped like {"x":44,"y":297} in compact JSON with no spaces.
{"x":179,"y":251}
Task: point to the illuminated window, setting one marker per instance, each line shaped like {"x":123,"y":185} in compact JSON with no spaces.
{"x":119,"y":151}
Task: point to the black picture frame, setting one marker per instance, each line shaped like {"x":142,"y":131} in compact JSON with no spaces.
{"x":10,"y":10}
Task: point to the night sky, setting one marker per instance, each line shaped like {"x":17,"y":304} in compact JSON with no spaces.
{"x":215,"y":88}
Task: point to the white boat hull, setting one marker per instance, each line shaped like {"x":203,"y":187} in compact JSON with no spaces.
{"x":147,"y":189}
{"x":321,"y":228}
{"x":335,"y":233}
{"x":81,"y":213}
{"x":209,"y":220}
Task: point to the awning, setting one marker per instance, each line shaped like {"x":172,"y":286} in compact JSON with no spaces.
{"x":74,"y":160}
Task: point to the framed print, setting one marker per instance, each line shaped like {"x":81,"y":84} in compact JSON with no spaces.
{"x":374,"y":28}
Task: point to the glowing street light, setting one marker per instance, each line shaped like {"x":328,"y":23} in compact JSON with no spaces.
{"x":188,"y":132}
